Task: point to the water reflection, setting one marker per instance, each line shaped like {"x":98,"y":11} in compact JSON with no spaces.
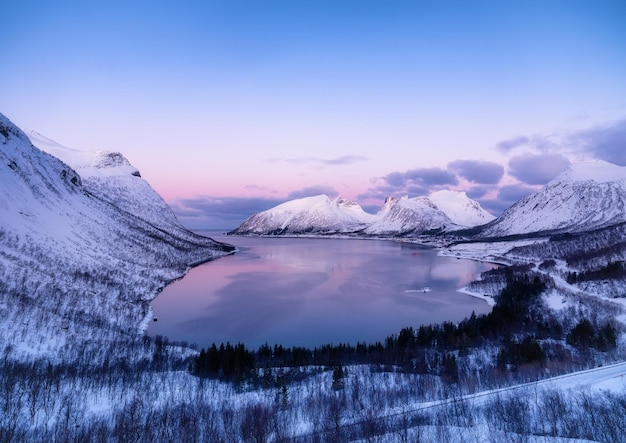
{"x":307,"y":292}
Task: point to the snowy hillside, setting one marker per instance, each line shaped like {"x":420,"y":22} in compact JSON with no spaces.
{"x":111,"y":177}
{"x":462,"y":210}
{"x":584,"y":197}
{"x":309,"y":215}
{"x":71,"y":251}
{"x":410,"y":215}
{"x":440,"y":211}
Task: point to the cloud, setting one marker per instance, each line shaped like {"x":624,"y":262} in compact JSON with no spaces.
{"x":421,"y":177}
{"x":537,"y":169}
{"x":414,"y":182}
{"x":512,"y":143}
{"x":603,"y":142}
{"x":416,"y":190}
{"x":226,"y":213}
{"x":495,"y":206}
{"x":310,"y":191}
{"x":514,"y":193}
{"x":483,"y":172}
{"x":344,"y":160}
{"x":476,"y":192}
{"x":210,"y":212}
{"x":507,"y":197}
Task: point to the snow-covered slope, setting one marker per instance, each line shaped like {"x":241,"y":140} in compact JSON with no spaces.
{"x":111,"y":177}
{"x":71,"y":252}
{"x":440,"y":211}
{"x":460,"y":209}
{"x":410,"y":215}
{"x":309,"y":215}
{"x":586,"y":196}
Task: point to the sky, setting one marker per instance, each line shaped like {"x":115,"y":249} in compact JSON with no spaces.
{"x":231,"y":107}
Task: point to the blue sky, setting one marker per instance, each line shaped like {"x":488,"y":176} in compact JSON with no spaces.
{"x":231,"y":107}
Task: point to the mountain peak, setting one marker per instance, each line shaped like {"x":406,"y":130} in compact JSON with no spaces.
{"x":586,"y":196}
{"x":399,"y":215}
{"x":459,"y":208}
{"x":110,"y":176}
{"x":594,"y":170}
{"x":308,"y":215}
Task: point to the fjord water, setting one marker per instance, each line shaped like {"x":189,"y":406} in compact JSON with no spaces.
{"x":309,"y":292}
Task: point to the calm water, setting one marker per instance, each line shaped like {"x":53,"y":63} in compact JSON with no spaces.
{"x":308,"y":292}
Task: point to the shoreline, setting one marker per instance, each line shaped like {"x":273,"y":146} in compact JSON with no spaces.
{"x":487,"y":299}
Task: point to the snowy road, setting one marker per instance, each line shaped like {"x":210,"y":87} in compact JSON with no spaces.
{"x":609,"y":377}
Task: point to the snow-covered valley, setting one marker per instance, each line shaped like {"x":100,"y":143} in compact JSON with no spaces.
{"x":85,"y":244}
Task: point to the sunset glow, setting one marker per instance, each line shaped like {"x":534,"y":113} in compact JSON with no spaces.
{"x":228,"y":108}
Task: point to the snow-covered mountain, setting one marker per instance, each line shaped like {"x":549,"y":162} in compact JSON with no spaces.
{"x":586,"y":196}
{"x":81,"y":247}
{"x":460,"y":209}
{"x":409,"y":215}
{"x":110,"y":176}
{"x":440,"y":211}
{"x":309,"y":215}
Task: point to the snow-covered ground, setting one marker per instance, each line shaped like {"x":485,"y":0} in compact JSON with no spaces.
{"x":493,"y":252}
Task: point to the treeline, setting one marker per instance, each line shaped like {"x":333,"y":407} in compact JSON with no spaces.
{"x":613,"y":270}
{"x":429,"y":349}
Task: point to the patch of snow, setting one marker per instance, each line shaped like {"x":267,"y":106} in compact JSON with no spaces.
{"x":486,"y":298}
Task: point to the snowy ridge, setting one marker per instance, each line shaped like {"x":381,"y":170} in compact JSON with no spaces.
{"x":415,"y":215}
{"x":309,"y":215}
{"x":441,"y":211}
{"x":586,"y":196}
{"x":460,"y":209}
{"x":110,"y":176}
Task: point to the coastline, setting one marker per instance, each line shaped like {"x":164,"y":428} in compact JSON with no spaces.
{"x":487,"y":299}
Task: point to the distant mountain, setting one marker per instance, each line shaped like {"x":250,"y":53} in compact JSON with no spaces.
{"x":586,"y":196}
{"x":460,"y":209}
{"x":319,"y":215}
{"x":74,"y":249}
{"x":309,"y":215}
{"x":409,"y":215}
{"x":441,"y":211}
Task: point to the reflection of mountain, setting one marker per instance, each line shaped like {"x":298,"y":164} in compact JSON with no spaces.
{"x":359,"y":295}
{"x":251,"y":302}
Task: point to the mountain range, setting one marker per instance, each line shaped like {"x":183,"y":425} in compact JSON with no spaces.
{"x":442,"y":211}
{"x":586,"y":196}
